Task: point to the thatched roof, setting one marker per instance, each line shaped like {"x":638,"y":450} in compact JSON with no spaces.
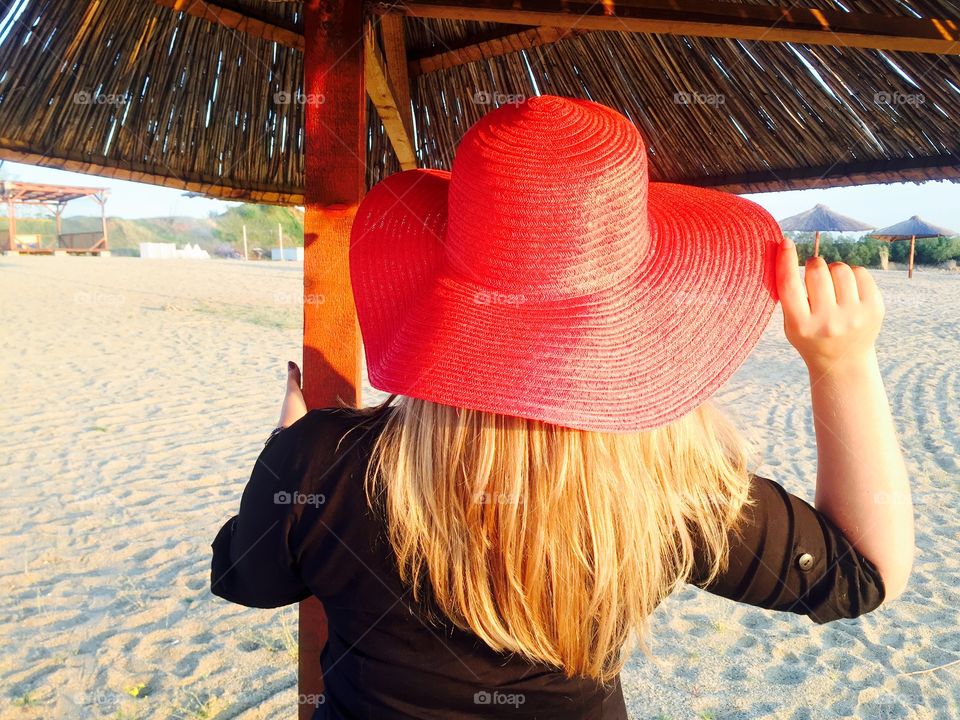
{"x":209,"y":96}
{"x":820,"y":218}
{"x":914,"y":227}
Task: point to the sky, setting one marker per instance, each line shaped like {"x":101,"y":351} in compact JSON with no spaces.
{"x":879,"y":205}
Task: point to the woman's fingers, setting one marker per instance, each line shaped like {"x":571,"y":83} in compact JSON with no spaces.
{"x":819,"y":284}
{"x":867,"y":289}
{"x":844,"y":284}
{"x":293,"y":407}
{"x":793,"y":296}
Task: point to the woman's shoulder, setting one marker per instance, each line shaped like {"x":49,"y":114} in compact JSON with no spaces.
{"x":328,"y":436}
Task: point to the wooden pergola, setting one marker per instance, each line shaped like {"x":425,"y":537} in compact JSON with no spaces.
{"x":313,"y":102}
{"x":54,"y":198}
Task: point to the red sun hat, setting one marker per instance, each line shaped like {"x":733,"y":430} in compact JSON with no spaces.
{"x":545,"y":277}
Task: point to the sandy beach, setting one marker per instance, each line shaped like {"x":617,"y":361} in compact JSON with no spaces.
{"x":137,"y":395}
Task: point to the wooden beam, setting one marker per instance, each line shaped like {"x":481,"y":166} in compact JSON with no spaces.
{"x":239,"y":18}
{"x":384,"y":97}
{"x":335,"y":176}
{"x":708,"y":18}
{"x":940,"y":167}
{"x":15,"y":151}
{"x":495,"y":47}
{"x":395,"y":60}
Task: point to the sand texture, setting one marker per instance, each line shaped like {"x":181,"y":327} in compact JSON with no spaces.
{"x":136,"y":397}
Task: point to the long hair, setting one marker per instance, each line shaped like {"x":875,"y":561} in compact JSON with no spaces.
{"x":553,"y":543}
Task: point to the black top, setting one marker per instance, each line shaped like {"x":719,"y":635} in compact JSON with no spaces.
{"x":305,"y":528}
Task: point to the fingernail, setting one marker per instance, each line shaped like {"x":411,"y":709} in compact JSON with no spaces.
{"x":290,"y":365}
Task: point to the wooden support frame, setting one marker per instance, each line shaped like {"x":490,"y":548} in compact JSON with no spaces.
{"x":395,"y":59}
{"x":54,"y":199}
{"x":385,"y":99}
{"x":335,"y":134}
{"x":238,"y":17}
{"x":18,"y":152}
{"x":494,"y":47}
{"x":709,"y":18}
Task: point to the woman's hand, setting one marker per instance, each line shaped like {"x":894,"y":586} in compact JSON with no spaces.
{"x":833,"y":315}
{"x":293,"y":407}
{"x":833,"y":319}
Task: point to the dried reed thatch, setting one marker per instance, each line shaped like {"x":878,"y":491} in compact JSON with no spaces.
{"x":213,"y":102}
{"x":915,"y":227}
{"x":820,"y":218}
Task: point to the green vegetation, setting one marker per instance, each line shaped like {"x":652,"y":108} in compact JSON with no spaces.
{"x":261,"y":222}
{"x":866,"y":252}
{"x":216,"y":231}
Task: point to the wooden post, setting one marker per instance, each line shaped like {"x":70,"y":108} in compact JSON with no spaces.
{"x":336,"y":127}
{"x":245,"y":242}
{"x":102,"y":199}
{"x":913,"y":245}
{"x":58,"y":216}
{"x":816,"y":244}
{"x":11,"y":226}
{"x":280,"y":237}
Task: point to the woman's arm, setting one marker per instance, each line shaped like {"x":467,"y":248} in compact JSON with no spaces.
{"x":832,"y":317}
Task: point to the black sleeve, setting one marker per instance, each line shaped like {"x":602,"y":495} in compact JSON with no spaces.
{"x":253,"y":561}
{"x":785,"y":555}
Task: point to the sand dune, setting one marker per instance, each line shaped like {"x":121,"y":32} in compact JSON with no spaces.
{"x":136,"y":396}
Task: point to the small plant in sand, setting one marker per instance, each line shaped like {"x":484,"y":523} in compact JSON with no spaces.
{"x":290,"y":643}
{"x":132,"y":593}
{"x":127,"y":715}
{"x":139,"y":690}
{"x":196,"y":707}
{"x":26,"y":700}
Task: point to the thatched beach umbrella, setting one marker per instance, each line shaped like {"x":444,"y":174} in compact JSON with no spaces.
{"x":915,"y":227}
{"x":819,"y":219}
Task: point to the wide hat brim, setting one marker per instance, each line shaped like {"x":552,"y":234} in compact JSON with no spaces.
{"x":639,"y":354}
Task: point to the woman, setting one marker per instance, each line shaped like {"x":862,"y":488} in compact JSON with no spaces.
{"x":551,"y":324}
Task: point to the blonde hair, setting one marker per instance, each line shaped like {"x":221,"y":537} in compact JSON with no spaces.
{"x":554,"y":543}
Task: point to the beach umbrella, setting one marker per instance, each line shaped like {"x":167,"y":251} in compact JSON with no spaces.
{"x":819,"y":219}
{"x":915,"y":227}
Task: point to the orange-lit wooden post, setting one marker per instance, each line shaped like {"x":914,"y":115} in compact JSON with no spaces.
{"x":913,"y":245}
{"x":816,"y":244}
{"x":334,"y":184}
